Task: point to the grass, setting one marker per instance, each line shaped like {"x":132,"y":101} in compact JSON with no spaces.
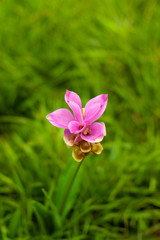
{"x":91,"y":48}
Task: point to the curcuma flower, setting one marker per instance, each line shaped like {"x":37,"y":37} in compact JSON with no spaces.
{"x":81,"y":131}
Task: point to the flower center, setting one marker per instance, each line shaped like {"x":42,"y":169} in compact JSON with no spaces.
{"x":80,"y":127}
{"x":86,"y":131}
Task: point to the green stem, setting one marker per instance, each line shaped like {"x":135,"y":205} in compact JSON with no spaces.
{"x":68,"y":189}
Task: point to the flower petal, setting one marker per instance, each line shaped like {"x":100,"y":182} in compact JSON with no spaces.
{"x":77,"y":138}
{"x":74,"y":102}
{"x":97,"y":132}
{"x":75,"y":127}
{"x":60,"y":118}
{"x":70,"y":139}
{"x":91,"y":113}
{"x":95,"y":108}
{"x":77,"y":112}
{"x":72,"y":96}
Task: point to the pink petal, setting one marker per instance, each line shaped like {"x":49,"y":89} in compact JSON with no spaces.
{"x":74,"y":102}
{"x":72,"y":96}
{"x":77,"y":138}
{"x":77,"y":112}
{"x":69,"y":138}
{"x":97,"y":132}
{"x":95,"y":108}
{"x":60,"y":118}
{"x":75,"y":127}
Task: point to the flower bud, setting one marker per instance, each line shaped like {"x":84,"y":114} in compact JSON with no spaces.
{"x":77,"y":154}
{"x":97,"y":148}
{"x":85,"y":147}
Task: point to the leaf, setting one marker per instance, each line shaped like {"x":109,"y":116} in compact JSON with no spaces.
{"x":14,"y":224}
{"x":48,"y":218}
{"x":53,"y":209}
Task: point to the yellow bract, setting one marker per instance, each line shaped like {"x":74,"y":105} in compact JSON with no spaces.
{"x":82,"y":148}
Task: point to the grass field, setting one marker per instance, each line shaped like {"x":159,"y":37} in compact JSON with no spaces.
{"x":90,"y":47}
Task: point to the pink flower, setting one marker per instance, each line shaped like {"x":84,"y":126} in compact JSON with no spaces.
{"x":82,"y":125}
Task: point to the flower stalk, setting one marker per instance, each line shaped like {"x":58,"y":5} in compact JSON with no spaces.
{"x":69,"y":187}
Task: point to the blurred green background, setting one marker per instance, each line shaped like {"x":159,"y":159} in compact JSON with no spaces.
{"x":90,"y":47}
